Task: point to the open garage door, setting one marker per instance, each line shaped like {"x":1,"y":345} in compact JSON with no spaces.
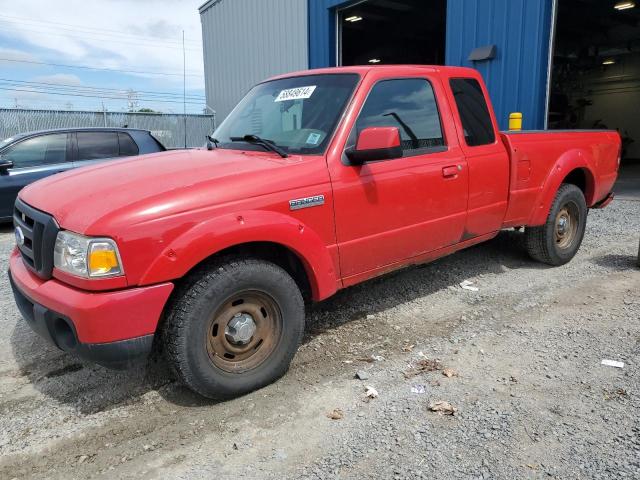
{"x":392,"y":32}
{"x":596,"y":69}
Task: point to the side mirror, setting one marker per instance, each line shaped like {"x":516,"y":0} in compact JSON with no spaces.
{"x":375,"y":143}
{"x":5,"y":164}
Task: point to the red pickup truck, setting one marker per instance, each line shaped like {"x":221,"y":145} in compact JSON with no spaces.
{"x":316,"y":181}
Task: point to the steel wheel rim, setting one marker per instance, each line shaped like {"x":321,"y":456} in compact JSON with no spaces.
{"x":233,"y":357}
{"x":566,"y":225}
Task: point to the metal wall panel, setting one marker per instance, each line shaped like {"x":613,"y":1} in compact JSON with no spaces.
{"x":517,"y":77}
{"x":246,"y":41}
{"x":520,"y":29}
{"x":322,"y":32}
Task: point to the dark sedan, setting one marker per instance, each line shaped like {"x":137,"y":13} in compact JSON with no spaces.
{"x":28,"y":157}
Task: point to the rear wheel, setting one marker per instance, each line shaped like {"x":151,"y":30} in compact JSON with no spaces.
{"x":557,"y":241}
{"x":234,"y":328}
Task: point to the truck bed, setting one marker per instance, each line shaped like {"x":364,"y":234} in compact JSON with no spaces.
{"x":592,"y":156}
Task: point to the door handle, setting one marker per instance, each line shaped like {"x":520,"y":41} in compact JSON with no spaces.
{"x":451,"y":171}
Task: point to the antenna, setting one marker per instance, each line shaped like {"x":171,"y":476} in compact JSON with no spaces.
{"x":184,"y":89}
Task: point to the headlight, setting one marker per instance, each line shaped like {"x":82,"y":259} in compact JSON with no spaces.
{"x":85,"y":256}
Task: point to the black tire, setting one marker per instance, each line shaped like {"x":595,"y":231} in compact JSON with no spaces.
{"x":188,"y":339}
{"x":543,"y":243}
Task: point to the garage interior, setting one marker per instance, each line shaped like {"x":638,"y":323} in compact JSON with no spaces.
{"x":392,"y":32}
{"x":596,"y":69}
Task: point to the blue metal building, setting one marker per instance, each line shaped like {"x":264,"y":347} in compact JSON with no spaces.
{"x":521,"y":31}
{"x":289,"y":35}
{"x":562,"y":63}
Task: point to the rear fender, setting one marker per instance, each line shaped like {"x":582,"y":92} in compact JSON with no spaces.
{"x":212,"y":236}
{"x":576,"y":159}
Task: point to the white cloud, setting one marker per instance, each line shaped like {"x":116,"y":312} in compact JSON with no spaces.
{"x":160,"y":29}
{"x":148,"y":38}
{"x":59,"y":79}
{"x":28,"y":99}
{"x":12,"y":54}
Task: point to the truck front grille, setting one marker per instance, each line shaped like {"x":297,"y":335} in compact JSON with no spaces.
{"x":39,"y":231}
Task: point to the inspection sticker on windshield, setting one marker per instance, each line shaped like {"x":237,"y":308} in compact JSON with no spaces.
{"x":297,"y":93}
{"x":313,"y":138}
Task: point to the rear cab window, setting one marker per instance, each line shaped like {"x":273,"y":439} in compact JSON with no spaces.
{"x":473,"y":111}
{"x":410,"y":105}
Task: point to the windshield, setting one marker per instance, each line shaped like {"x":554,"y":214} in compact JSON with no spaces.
{"x":297,"y":114}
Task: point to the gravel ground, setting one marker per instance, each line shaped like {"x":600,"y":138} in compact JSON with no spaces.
{"x":532,"y":399}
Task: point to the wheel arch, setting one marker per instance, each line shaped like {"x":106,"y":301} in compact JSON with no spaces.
{"x":272,"y":252}
{"x":572,"y":167}
{"x":270,"y":236}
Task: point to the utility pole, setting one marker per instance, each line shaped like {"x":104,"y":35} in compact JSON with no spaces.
{"x":184,"y":89}
{"x":132,"y":100}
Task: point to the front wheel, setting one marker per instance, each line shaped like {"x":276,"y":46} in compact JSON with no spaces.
{"x":234,"y":328}
{"x":557,"y":241}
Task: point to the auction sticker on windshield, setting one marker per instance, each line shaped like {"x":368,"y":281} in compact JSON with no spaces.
{"x":297,"y":93}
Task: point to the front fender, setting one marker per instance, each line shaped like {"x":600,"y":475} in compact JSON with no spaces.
{"x":216,"y":234}
{"x":576,"y":159}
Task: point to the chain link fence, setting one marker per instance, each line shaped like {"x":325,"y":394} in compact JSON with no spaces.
{"x":168,"y":128}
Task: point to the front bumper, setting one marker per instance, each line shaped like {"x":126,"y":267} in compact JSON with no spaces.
{"x":114,"y":329}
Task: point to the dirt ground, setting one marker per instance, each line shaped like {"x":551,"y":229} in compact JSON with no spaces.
{"x":525,"y":352}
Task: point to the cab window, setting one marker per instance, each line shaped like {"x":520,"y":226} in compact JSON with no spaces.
{"x":408,"y":104}
{"x":38,"y":151}
{"x":127,"y":146}
{"x":473,"y":111}
{"x":97,"y":145}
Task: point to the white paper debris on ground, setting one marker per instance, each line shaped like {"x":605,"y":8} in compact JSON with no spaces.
{"x":377,"y":358}
{"x":612,"y":363}
{"x":468,"y":285}
{"x":418,"y":389}
{"x":371,"y":392}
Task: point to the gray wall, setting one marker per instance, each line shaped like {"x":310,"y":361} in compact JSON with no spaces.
{"x":246,"y":41}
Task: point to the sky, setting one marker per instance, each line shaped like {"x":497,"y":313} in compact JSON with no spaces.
{"x":130,"y":52}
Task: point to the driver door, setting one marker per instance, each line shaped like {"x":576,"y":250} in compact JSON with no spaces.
{"x":390,"y":211}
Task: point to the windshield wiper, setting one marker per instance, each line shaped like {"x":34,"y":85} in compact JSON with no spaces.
{"x":256,"y":140}
{"x":211,"y":141}
{"x":415,"y":142}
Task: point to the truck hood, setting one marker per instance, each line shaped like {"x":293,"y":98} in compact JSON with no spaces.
{"x":139,"y":189}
